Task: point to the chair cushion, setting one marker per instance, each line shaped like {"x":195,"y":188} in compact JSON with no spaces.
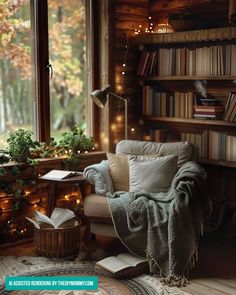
{"x":185,"y":151}
{"x":119,"y":170}
{"x":96,"y":206}
{"x":151,"y":174}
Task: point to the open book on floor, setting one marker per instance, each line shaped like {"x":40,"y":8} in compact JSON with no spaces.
{"x":124,"y":265}
{"x":60,"y":218}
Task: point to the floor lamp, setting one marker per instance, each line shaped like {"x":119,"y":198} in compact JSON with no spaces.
{"x":99,"y":96}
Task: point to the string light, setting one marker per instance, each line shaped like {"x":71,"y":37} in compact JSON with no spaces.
{"x":148,"y":29}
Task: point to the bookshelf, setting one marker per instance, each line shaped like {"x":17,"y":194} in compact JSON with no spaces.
{"x":176,"y":72}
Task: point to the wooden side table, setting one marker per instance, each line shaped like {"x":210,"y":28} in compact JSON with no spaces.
{"x":54,"y":189}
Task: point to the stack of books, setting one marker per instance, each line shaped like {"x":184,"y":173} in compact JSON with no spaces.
{"x":208,"y":111}
{"x":230,"y":108}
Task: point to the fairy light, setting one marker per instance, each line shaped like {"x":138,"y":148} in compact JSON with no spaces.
{"x":78,"y":152}
{"x":67,"y":197}
{"x":78,"y":201}
{"x":85,"y":152}
{"x":118,"y":118}
{"x":132,"y":129}
{"x":148,"y":29}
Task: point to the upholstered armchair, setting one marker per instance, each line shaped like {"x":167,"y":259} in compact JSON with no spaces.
{"x":105,"y":178}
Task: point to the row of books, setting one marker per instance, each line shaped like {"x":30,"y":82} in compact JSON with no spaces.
{"x":217,"y":60}
{"x":212,"y":144}
{"x":178,"y":105}
{"x":230,"y":108}
{"x":171,"y":104}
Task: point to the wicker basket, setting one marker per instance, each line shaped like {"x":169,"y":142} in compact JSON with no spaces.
{"x":60,"y":242}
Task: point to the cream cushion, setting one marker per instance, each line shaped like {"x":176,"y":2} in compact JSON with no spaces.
{"x":119,"y":169}
{"x":151,"y":174}
{"x":96,"y":206}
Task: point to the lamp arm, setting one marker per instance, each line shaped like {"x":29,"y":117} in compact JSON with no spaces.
{"x":126,"y":111}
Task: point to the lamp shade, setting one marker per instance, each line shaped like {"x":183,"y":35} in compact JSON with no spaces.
{"x":99,"y":96}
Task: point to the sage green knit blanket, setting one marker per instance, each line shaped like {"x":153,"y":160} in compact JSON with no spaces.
{"x":164,"y":227}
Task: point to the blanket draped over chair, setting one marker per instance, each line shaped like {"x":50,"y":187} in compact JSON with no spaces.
{"x":164,"y":227}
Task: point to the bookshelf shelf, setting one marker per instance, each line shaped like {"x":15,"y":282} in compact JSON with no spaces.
{"x":187,"y":78}
{"x":208,"y":35}
{"x":218,"y":163}
{"x":190,"y":121}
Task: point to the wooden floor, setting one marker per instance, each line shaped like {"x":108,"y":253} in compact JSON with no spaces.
{"x":214,"y":274}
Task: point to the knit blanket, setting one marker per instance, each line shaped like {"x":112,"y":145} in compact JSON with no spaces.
{"x":164,"y":227}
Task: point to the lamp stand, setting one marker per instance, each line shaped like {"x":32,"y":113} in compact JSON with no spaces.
{"x":126,"y":112}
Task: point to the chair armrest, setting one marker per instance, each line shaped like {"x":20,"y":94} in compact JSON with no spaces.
{"x":99,"y":176}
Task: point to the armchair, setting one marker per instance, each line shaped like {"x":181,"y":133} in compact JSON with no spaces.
{"x":96,"y":207}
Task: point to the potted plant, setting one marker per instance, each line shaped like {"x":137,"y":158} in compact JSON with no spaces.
{"x":20,"y":143}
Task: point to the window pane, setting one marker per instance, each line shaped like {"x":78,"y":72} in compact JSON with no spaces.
{"x":67,"y":56}
{"x":16,"y":103}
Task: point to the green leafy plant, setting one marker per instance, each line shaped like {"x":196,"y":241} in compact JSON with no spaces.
{"x":76,"y":141}
{"x":20,"y":143}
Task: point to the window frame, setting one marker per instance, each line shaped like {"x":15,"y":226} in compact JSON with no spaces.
{"x":40,"y":71}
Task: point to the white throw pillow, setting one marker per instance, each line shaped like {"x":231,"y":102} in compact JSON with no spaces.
{"x":151,"y":174}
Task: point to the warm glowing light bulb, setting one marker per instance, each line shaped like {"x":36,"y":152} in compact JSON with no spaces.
{"x":113,"y":127}
{"x":78,"y":152}
{"x":132,"y":129}
{"x":119,"y":118}
{"x":123,"y":73}
{"x":85,"y":152}
{"x":78,"y":201}
{"x":124,"y":65}
{"x":56,"y":156}
{"x":67,"y":197}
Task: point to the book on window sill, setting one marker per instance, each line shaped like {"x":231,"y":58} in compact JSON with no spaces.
{"x":60,"y":218}
{"x":124,"y":265}
{"x":60,"y":174}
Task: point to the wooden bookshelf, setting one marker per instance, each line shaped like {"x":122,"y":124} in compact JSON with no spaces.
{"x":208,"y":35}
{"x":186,"y":78}
{"x":216,"y":138}
{"x":218,"y":163}
{"x":191,"y":121}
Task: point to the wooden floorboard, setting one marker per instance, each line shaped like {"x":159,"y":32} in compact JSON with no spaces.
{"x":214,"y":274}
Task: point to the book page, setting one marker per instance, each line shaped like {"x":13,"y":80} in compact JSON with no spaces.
{"x":113,"y":264}
{"x":56,"y":212}
{"x":64,"y":216}
{"x":131,"y":259}
{"x":42,"y":218}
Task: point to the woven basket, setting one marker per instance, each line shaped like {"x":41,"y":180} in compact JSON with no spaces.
{"x":60,"y":242}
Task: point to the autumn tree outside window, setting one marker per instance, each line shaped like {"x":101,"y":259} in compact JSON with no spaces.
{"x":24,"y":74}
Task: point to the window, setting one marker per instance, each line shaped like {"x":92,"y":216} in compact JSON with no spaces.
{"x":41,"y":40}
{"x":16,"y":103}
